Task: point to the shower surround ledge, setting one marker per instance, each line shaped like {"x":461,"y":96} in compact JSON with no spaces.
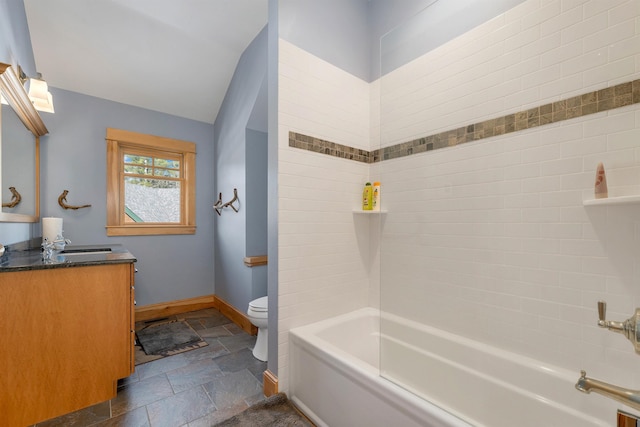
{"x":613,"y":200}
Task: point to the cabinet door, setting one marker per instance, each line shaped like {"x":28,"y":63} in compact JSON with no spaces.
{"x":132,"y":319}
{"x":65,"y":339}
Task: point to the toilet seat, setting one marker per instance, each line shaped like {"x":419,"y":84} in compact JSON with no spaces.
{"x":259,"y":305}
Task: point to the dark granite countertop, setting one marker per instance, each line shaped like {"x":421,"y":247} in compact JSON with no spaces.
{"x":28,"y":256}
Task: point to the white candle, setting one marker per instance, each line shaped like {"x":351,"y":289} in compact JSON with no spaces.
{"x":51,"y":228}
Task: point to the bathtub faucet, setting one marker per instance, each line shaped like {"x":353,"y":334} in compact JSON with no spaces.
{"x":630,"y":328}
{"x":624,"y":395}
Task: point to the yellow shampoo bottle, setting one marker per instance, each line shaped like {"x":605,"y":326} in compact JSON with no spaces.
{"x":367,"y":197}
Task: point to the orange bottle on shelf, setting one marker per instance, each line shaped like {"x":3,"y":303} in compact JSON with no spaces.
{"x":376,"y":197}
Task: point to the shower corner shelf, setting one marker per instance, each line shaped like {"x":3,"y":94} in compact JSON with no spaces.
{"x":360,"y":211}
{"x":618,"y":200}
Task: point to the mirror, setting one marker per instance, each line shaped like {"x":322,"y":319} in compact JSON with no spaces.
{"x":20,"y":129}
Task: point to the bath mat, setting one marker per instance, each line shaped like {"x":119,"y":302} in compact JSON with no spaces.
{"x":169,"y":338}
{"x":274,"y":411}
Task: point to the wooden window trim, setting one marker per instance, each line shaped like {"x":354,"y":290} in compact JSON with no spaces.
{"x":117,"y":139}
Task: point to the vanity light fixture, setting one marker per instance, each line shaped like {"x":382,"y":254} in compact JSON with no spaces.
{"x":39,"y":94}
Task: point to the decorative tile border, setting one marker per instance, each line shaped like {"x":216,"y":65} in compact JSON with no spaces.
{"x":609,"y":98}
{"x":318,"y":145}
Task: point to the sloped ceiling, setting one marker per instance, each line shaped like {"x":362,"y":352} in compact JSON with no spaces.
{"x":172,"y":56}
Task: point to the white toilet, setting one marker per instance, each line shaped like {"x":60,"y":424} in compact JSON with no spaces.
{"x":257,"y":314}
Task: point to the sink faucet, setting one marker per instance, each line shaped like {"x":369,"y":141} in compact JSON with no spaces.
{"x":630,"y":328}
{"x":49,"y":247}
{"x":624,"y":395}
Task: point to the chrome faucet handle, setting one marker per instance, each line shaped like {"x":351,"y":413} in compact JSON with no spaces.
{"x":612,"y":325}
{"x":629,"y":328}
{"x":602,"y":312}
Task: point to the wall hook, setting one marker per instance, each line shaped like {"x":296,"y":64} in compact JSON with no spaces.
{"x":230,"y":202}
{"x":218,"y":204}
{"x":62,"y":199}
{"x":15,"y":198}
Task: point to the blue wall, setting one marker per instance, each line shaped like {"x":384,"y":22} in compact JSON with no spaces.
{"x":334,"y":30}
{"x":439,"y":22}
{"x":15,"y":42}
{"x":272,"y":183}
{"x":256,"y":198}
{"x":15,"y":48}
{"x":347,"y":34}
{"x":74,"y":158}
{"x":235,"y":281}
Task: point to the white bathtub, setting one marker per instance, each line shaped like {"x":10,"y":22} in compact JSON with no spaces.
{"x":335,"y":379}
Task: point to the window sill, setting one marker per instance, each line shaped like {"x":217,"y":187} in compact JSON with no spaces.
{"x":147,"y":230}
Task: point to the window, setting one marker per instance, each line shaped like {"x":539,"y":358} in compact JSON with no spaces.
{"x":150,"y":184}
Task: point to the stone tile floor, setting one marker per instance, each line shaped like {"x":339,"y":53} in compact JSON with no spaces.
{"x":197,"y":388}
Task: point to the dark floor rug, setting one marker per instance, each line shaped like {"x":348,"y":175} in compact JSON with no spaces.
{"x":169,"y":338}
{"x":274,"y":411}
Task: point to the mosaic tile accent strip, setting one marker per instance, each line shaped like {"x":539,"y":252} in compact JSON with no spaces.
{"x":318,"y":145}
{"x":606,"y":99}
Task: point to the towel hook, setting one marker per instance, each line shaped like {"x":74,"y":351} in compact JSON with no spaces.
{"x":230,"y":202}
{"x":62,"y":199}
{"x":218,"y":204}
{"x":15,"y":198}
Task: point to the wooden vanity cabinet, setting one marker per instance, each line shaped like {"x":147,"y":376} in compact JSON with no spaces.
{"x":66,"y":337}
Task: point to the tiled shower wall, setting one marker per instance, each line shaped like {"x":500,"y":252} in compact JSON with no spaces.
{"x":537,"y":53}
{"x":323,"y":246}
{"x":490,"y":239}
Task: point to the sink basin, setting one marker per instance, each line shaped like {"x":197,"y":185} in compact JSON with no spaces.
{"x":84,"y":251}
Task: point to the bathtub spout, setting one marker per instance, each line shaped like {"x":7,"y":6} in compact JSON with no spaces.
{"x":624,"y":395}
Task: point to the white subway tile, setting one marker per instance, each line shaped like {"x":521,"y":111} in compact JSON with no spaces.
{"x":582,"y":281}
{"x":612,"y":122}
{"x":540,"y":46}
{"x":562,"y":263}
{"x":521,"y":10}
{"x":557,"y":23}
{"x":578,"y":181}
{"x":554,"y":91}
{"x":573,"y":214}
{"x":597,"y":265}
{"x":596,"y":7}
{"x":561,"y":230}
{"x":585,"y":28}
{"x":614,"y":70}
{"x":542,"y":76}
{"x":522,"y":201}
{"x":591,"y":248}
{"x":609,"y":36}
{"x":572,"y":4}
{"x":586,"y":61}
{"x":560,"y":198}
{"x":618,"y":158}
{"x":542,"y":184}
{"x":561,"y":54}
{"x":541,"y":215}
{"x":561,"y":167}
{"x":623,"y":140}
{"x":542,"y":14}
{"x":540,"y":245}
{"x":541,"y":308}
